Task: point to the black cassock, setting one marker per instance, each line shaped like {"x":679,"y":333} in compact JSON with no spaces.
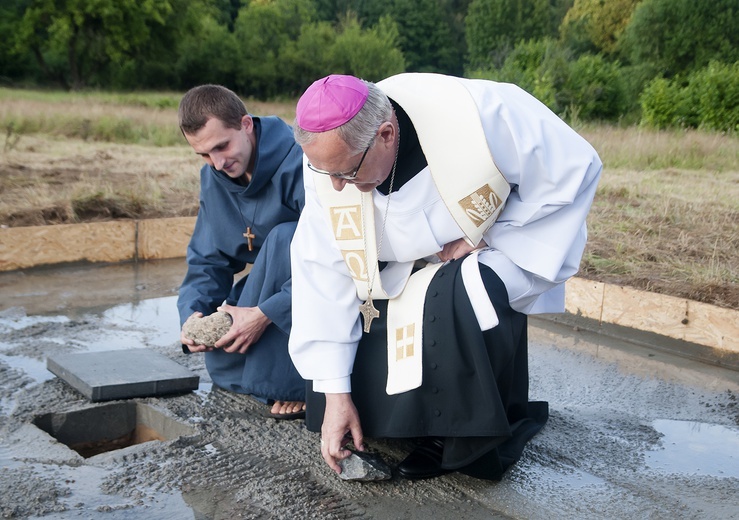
{"x":475,"y":384}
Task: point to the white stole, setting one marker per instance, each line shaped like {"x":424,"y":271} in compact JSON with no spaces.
{"x":452,"y":137}
{"x":471,"y":186}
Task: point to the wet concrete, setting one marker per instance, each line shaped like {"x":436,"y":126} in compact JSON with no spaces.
{"x":634,"y":432}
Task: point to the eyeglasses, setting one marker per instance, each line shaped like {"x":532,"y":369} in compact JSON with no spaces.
{"x":345,"y":175}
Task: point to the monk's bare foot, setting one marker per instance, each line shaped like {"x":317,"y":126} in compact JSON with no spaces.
{"x":287,"y":409}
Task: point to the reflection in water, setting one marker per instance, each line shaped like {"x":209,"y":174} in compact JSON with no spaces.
{"x":25,"y":341}
{"x":695,"y":448}
{"x":157,"y":318}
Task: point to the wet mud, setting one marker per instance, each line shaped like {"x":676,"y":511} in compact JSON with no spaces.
{"x":633,"y":433}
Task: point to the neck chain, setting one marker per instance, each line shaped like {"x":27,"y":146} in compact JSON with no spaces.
{"x":248,"y":233}
{"x":368,"y":309}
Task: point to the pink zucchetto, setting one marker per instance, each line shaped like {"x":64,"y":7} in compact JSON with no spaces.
{"x":330,"y":102}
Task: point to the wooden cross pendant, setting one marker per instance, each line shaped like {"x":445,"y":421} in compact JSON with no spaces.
{"x":249,"y":236}
{"x":369,"y":312}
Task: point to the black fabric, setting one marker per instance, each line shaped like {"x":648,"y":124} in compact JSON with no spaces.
{"x":411,"y":159}
{"x":475,"y":384}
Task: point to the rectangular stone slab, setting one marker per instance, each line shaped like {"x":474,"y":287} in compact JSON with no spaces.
{"x":122,"y":374}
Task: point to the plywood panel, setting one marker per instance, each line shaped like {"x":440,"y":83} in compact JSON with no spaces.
{"x":164,"y":238}
{"x":25,"y":247}
{"x":713,"y":326}
{"x":119,"y":241}
{"x":584,"y":298}
{"x":641,"y":310}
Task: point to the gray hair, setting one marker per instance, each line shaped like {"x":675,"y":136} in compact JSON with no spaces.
{"x":359,"y":131}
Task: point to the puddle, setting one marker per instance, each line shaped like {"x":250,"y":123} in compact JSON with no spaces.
{"x":15,"y":318}
{"x":146,"y":323}
{"x":157,"y":318}
{"x":85,"y":499}
{"x":33,"y":368}
{"x":695,"y":448}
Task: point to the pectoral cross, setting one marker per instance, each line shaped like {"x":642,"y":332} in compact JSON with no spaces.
{"x":369,"y":312}
{"x":249,"y":236}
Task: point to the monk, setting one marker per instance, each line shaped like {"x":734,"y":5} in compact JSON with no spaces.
{"x":251,"y":195}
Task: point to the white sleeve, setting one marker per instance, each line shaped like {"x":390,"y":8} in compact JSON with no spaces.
{"x":326,"y":327}
{"x":553,"y":173}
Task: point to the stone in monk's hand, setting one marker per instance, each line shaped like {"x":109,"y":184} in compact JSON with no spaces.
{"x":208,"y":329}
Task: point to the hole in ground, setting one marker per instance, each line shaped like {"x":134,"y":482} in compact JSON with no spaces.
{"x":110,"y":427}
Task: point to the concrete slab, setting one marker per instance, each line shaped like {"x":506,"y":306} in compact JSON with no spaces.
{"x":634,"y":431}
{"x":122,"y":374}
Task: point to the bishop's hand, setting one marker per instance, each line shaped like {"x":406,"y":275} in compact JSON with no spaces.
{"x":340,"y":426}
{"x":457,"y":249}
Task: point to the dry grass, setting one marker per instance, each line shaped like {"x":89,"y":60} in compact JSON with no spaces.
{"x":52,"y":181}
{"x":666,"y":215}
{"x":665,"y":218}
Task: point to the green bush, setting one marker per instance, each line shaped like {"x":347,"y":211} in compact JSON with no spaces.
{"x":595,"y":88}
{"x":371,"y":54}
{"x":588,"y":88}
{"x":537,"y":66}
{"x":661,"y":102}
{"x":708,"y":98}
{"x":715,"y":92}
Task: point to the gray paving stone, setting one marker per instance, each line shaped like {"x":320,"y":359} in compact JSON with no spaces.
{"x":122,"y":374}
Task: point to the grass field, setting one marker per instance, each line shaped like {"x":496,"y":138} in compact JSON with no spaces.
{"x":665,"y":218}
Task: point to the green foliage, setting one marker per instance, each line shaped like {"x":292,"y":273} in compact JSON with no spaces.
{"x":282,"y":50}
{"x":607,"y":51}
{"x":368,"y":12}
{"x":494,"y":27}
{"x":356,"y":51}
{"x":15,"y":61}
{"x":595,"y":26}
{"x":679,"y":36}
{"x":659,"y":102}
{"x":595,"y":88}
{"x":78,"y":43}
{"x":208,"y":59}
{"x":308,"y":58}
{"x":261,"y":30}
{"x":587,"y":88}
{"x":74,"y":40}
{"x":709,"y":98}
{"x":716,"y":89}
{"x":426,"y":36}
{"x":539,"y":67}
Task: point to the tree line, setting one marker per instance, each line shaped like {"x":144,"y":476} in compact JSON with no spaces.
{"x":661,"y":62}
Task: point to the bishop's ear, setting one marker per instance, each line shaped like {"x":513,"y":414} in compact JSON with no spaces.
{"x":387,"y":133}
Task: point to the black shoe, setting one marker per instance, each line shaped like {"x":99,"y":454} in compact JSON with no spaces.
{"x":424,"y":461}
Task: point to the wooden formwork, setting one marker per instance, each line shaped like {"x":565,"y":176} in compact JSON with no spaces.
{"x":126,"y":240}
{"x":116,"y":241}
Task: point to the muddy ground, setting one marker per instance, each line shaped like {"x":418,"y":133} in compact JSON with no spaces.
{"x":633,"y":433}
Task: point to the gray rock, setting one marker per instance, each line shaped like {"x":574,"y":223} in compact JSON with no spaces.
{"x":364,"y":467}
{"x":208,"y":329}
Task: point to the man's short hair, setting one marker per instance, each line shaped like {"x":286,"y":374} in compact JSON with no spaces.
{"x":205,"y":102}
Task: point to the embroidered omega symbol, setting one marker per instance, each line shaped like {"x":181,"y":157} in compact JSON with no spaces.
{"x":480,"y":205}
{"x":356,"y":263}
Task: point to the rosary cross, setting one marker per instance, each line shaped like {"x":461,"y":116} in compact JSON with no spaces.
{"x":249,"y":236}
